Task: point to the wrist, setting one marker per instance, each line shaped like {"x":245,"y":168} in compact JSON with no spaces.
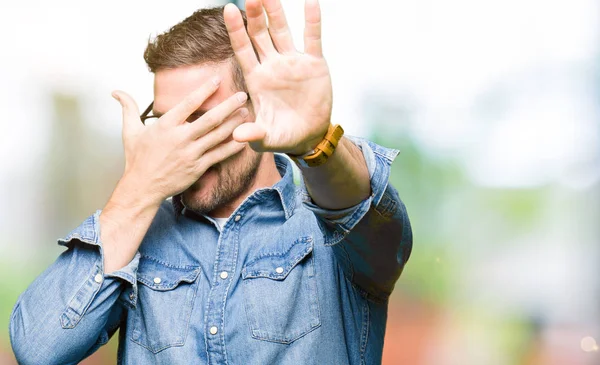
{"x":132,"y":196}
{"x":124,"y":208}
{"x":323,"y":150}
{"x":123,"y":223}
{"x":307,"y":147}
{"x":304,"y":150}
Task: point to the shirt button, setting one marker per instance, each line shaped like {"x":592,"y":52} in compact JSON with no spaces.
{"x":157,"y":280}
{"x":237,"y":218}
{"x":131,"y":296}
{"x":279,"y":270}
{"x":224,"y":275}
{"x":98,"y":278}
{"x":213,"y":330}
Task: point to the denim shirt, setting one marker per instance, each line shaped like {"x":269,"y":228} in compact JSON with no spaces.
{"x":283,"y":282}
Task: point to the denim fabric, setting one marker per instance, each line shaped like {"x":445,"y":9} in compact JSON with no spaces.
{"x":283,"y":282}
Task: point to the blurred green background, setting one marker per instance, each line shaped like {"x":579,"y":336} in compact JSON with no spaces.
{"x":493,"y":104}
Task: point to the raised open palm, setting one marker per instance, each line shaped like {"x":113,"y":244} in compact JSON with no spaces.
{"x":290,"y":91}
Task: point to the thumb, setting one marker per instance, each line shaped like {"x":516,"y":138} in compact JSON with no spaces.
{"x":252,"y":133}
{"x":131,"y":112}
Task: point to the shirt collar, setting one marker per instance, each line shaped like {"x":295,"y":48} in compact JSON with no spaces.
{"x":285,"y":188}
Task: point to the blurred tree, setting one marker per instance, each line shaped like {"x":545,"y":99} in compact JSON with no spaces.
{"x":62,"y":165}
{"x":452,"y":221}
{"x":81,"y":168}
{"x":427,"y":185}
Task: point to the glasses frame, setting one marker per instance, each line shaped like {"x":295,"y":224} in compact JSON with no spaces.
{"x":145,"y":115}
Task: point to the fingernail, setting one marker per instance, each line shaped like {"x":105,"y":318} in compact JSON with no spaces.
{"x":216,"y":80}
{"x":244,"y":112}
{"x":242,"y":97}
{"x":115,"y":96}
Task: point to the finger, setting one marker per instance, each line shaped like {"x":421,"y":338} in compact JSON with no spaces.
{"x":278,"y":27}
{"x":220,"y":153}
{"x":131,"y":112}
{"x":257,"y":29}
{"x":180,"y":113}
{"x":240,"y":42}
{"x":252,"y":133}
{"x":217,"y":115}
{"x":222,"y":133}
{"x":312,"y":28}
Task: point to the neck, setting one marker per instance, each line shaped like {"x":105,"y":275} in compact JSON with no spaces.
{"x":266,"y":176}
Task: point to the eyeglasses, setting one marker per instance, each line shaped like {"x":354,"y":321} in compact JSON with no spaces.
{"x":145,"y":115}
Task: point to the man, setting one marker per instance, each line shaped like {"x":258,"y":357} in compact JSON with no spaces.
{"x":241,"y":266}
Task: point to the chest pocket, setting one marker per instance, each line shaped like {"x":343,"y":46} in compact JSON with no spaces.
{"x":280,"y":293}
{"x":165,"y":299}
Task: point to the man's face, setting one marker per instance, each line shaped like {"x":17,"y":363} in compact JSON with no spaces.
{"x":227,"y":180}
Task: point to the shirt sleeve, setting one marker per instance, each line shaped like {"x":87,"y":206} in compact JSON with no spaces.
{"x":71,"y":309}
{"x":373,"y":239}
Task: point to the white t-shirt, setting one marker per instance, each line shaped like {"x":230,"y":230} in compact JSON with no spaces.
{"x":220,"y":222}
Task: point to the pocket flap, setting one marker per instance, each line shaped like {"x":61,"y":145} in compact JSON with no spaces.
{"x":277,"y":265}
{"x":162,"y":276}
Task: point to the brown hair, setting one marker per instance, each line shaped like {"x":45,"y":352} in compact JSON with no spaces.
{"x":200,"y":38}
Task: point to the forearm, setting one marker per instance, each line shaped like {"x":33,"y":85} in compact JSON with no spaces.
{"x":373,"y":239}
{"x":341,"y":182}
{"x":124,"y":222}
{"x":68,"y":311}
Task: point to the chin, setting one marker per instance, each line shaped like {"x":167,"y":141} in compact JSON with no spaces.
{"x":205,"y":182}
{"x":221,"y":184}
{"x":199,"y":190}
{"x":198,"y":199}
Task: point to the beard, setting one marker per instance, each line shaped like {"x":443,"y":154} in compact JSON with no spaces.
{"x":234,"y":177}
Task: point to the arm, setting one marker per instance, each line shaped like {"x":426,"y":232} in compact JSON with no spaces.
{"x":343,"y":181}
{"x":70,"y":310}
{"x":372,"y":239}
{"x":361,"y":216}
